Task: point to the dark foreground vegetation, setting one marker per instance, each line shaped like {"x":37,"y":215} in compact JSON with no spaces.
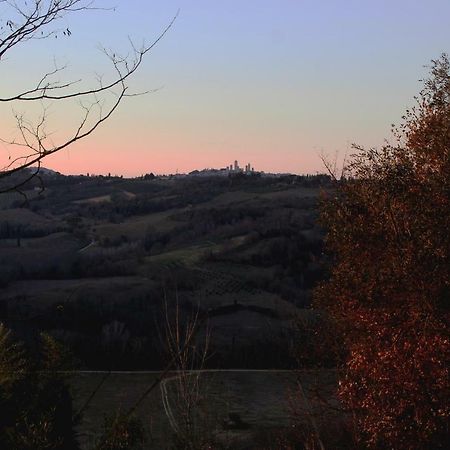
{"x":202,"y":273}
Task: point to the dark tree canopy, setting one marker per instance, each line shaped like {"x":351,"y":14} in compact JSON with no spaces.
{"x":388,"y":294}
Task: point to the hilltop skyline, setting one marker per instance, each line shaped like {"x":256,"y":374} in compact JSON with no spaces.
{"x":233,"y":168}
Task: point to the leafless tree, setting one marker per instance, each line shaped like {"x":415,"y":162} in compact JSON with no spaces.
{"x":22,"y":21}
{"x":335,"y":168}
{"x":184,"y":391}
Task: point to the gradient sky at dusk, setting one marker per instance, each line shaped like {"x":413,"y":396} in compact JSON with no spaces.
{"x":274,"y":82}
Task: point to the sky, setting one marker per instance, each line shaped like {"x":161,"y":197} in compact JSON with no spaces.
{"x":274,"y":83}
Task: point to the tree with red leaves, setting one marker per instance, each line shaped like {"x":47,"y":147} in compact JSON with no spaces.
{"x":388,"y":293}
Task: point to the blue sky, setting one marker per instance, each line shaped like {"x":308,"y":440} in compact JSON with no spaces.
{"x":270,"y":82}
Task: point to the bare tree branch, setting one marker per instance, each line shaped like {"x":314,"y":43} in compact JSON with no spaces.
{"x":34,"y":20}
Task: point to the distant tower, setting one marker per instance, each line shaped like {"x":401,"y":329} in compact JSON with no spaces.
{"x":236,"y":166}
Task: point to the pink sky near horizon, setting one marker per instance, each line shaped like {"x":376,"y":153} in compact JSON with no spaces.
{"x":162,"y":154}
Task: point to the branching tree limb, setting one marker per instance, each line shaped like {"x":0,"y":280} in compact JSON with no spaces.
{"x":23,"y":21}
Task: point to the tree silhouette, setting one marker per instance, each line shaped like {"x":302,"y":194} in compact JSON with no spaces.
{"x":24,"y":21}
{"x":35,"y":404}
{"x":388,"y":294}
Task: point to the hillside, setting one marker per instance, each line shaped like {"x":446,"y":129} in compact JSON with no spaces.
{"x":94,"y":260}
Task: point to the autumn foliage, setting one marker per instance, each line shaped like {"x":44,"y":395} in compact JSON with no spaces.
{"x":388,"y":294}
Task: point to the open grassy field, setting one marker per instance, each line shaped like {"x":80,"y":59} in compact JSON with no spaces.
{"x":136,"y":227}
{"x":188,"y":256}
{"x":98,"y":199}
{"x":23,"y":216}
{"x":103,"y":198}
{"x":236,"y":405}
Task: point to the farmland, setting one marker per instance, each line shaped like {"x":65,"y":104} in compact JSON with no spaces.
{"x":89,"y":253}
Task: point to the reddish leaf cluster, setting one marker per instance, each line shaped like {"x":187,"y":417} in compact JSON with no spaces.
{"x":388,"y":229}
